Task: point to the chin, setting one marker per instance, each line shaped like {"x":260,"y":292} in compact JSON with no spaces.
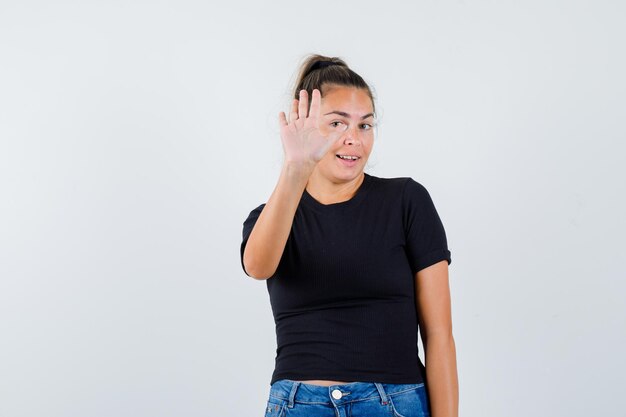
{"x":340,"y":174}
{"x":347,"y":176}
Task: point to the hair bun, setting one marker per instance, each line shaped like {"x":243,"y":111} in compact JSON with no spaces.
{"x":323,"y":64}
{"x":310,"y":79}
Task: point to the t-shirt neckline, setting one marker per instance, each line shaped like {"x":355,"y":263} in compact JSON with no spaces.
{"x":308,"y":199}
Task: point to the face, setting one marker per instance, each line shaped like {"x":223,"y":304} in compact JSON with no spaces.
{"x":347,"y":109}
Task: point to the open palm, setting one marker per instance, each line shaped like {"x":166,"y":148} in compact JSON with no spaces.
{"x":302,"y":140}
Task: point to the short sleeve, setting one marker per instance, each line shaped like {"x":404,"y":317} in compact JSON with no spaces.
{"x":248,"y":225}
{"x":426,"y":242}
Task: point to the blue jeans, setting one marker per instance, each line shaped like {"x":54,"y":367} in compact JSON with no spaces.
{"x":290,"y":398}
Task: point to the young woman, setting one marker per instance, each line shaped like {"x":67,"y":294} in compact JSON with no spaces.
{"x":354,"y":265}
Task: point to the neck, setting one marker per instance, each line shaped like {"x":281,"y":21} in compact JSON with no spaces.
{"x":329,"y":192}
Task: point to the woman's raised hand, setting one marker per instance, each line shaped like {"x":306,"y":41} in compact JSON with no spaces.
{"x":303,"y":142}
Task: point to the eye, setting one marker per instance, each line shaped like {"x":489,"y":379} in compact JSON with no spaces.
{"x":366,"y":126}
{"x":335,"y":123}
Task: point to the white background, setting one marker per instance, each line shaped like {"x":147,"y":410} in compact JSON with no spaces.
{"x":137,"y":136}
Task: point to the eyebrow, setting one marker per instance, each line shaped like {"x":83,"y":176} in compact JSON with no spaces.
{"x":344,"y":114}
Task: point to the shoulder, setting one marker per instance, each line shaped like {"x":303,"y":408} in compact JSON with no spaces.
{"x":258,"y":209}
{"x":398,"y":185}
{"x":254,"y":214}
{"x":409,"y":194}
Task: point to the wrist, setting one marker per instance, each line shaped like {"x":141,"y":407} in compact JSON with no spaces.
{"x":298,"y":170}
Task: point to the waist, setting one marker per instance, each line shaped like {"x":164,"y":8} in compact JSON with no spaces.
{"x":337,"y":394}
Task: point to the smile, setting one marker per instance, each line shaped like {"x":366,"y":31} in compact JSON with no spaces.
{"x":348,"y":157}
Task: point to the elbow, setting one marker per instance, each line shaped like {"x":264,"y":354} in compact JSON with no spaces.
{"x":439,"y":339}
{"x":257,"y":274}
{"x":255,"y":269}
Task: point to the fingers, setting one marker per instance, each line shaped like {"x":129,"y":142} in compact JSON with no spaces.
{"x":300,"y":108}
{"x":315,"y":105}
{"x":293,"y":115}
{"x":282,"y":119}
{"x":303,"y":106}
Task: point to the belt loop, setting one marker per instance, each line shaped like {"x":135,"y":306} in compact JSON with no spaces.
{"x":381,"y":391}
{"x":292,"y":394}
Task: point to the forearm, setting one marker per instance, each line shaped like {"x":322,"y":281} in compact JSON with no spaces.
{"x":267,"y":240}
{"x":441,"y":375}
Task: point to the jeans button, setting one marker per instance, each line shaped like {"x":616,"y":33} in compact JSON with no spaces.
{"x":336,"y":394}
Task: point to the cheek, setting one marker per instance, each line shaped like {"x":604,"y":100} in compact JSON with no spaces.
{"x":330,"y":156}
{"x":368,"y":143}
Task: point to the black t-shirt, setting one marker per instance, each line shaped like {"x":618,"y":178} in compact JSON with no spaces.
{"x":343,"y":295}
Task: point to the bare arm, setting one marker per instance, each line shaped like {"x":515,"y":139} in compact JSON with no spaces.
{"x":268,"y":237}
{"x":304,"y":146}
{"x":434,"y":314}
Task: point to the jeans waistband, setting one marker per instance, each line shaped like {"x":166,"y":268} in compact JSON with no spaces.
{"x":295,"y":391}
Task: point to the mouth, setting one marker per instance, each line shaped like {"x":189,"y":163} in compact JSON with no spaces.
{"x":348,"y":160}
{"x":348,"y":157}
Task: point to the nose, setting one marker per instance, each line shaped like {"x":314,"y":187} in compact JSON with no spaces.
{"x":351,"y":137}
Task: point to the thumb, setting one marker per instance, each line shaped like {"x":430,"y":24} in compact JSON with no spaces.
{"x":334,"y":137}
{"x":331,"y":140}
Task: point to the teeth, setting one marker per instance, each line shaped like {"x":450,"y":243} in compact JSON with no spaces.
{"x":348,"y":157}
